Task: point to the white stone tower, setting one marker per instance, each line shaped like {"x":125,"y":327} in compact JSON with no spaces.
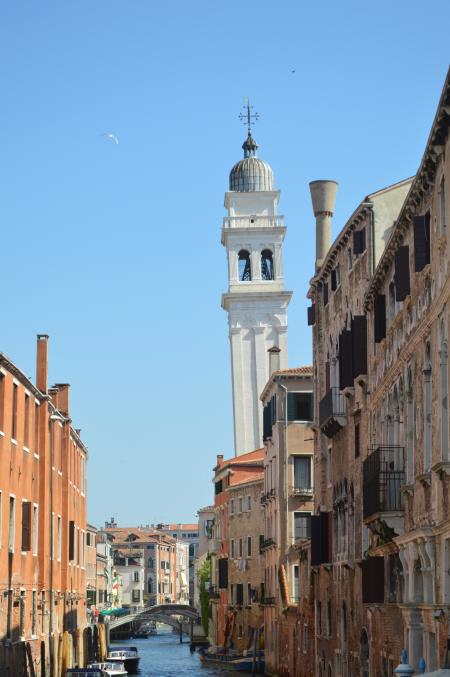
{"x":256,"y":301}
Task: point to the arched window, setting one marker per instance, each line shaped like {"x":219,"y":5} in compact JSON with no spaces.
{"x":267,"y":271}
{"x":364,"y":654}
{"x":427,"y":376}
{"x":245,"y":272}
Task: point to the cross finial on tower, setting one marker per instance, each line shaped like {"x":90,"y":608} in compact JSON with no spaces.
{"x":248,"y":117}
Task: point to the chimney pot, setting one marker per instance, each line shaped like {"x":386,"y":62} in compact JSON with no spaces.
{"x":323,"y":196}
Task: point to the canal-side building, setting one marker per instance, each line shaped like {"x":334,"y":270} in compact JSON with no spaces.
{"x":245,"y":568}
{"x":188,"y":534}
{"x":227,"y":473}
{"x":182,"y":573}
{"x":288,"y":504}
{"x":406,"y":462}
{"x":42,"y":515}
{"x":91,"y":566}
{"x":105,"y":568}
{"x":339,"y":539}
{"x":159,"y":562}
{"x":129,"y":567}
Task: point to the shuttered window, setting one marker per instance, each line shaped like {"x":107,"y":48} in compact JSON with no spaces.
{"x":421,"y":225}
{"x":26,"y":526}
{"x":345,"y":359}
{"x":359,"y":345}
{"x":223,"y":573}
{"x":333,"y":280}
{"x":71,"y":540}
{"x":359,"y":241}
{"x":300,"y":407}
{"x":321,"y":546}
{"x":325,"y":293}
{"x":379,"y":317}
{"x":239,"y":594}
{"x":373,"y":580}
{"x":312,"y":315}
{"x":402,"y":283}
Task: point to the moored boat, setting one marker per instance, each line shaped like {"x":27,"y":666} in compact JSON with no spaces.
{"x":128,"y":655}
{"x":84,"y":672}
{"x":110,"y":668}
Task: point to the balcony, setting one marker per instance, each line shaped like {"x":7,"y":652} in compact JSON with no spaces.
{"x":268,"y":601}
{"x":267,"y":543}
{"x":264,"y":499}
{"x":332,"y":412}
{"x":383,"y":477}
{"x":253,"y":222}
{"x":306,"y":493}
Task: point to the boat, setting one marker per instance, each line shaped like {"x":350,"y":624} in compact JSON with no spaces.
{"x":110,"y":668}
{"x":145,"y":631}
{"x":84,"y":672}
{"x":233,"y":661}
{"x":128,"y":655}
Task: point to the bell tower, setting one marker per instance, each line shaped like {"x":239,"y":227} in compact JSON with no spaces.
{"x":256,"y":301}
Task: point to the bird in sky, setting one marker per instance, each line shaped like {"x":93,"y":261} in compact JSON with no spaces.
{"x":113,"y":137}
{"x":293,"y":70}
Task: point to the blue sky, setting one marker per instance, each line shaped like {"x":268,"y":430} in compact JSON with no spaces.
{"x":115,"y":250}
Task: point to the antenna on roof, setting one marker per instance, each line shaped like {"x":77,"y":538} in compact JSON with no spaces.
{"x":248,"y":117}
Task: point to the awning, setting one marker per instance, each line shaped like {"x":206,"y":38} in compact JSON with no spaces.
{"x":183,"y":578}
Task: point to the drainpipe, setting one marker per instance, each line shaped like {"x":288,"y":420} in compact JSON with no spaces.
{"x":52,"y":418}
{"x":285,"y":460}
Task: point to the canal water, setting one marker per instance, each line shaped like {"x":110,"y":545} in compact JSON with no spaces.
{"x":162,"y":655}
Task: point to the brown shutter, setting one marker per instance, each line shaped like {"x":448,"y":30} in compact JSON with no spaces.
{"x":359,"y":241}
{"x":333,"y":280}
{"x":71,"y":540}
{"x":239,"y":592}
{"x":373,"y":580}
{"x":359,"y":345}
{"x":379,"y":317}
{"x":421,"y":225}
{"x":312,"y":315}
{"x":26,"y":526}
{"x":316,"y":542}
{"x":402,"y":284}
{"x":223,"y":573}
{"x":345,"y":359}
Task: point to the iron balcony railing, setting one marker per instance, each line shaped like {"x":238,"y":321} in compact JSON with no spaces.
{"x":383,"y":477}
{"x":332,"y":405}
{"x":268,"y":600}
{"x":301,"y":491}
{"x":267,"y":543}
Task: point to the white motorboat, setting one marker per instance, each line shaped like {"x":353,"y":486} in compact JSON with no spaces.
{"x":110,"y":668}
{"x":128,"y":655}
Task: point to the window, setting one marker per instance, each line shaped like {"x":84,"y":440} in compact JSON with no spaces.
{"x":240,"y":548}
{"x":232,"y":506}
{"x":302,"y":525}
{"x":136,"y":576}
{"x":12,"y":523}
{"x":35,"y":529}
{"x":2,"y":400}
{"x":296,"y":581}
{"x":249,"y":546}
{"x":329,"y":467}
{"x":421,"y":226}
{"x":136,"y":596}
{"x":357,"y":443}
{"x":14,"y":412}
{"x":33,"y":612}
{"x":240,"y":504}
{"x":36,"y":427}
{"x":239,"y":594}
{"x":26,"y":423}
{"x":349,"y":258}
{"x":302,"y":473}
{"x":71,"y":540}
{"x":26,"y":526}
{"x":379,"y":317}
{"x":22,"y":613}
{"x":150,"y":562}
{"x":329,"y":620}
{"x":300,"y":406}
{"x":59,"y":538}
{"x":218,"y":487}
{"x":427,"y":394}
{"x":325,"y":293}
{"x":335,"y":278}
{"x":83,"y":548}
{"x":245,"y":272}
{"x":249,"y":593}
{"x":232,"y":548}
{"x":249,"y":503}
{"x":442,"y":221}
{"x":267,"y":271}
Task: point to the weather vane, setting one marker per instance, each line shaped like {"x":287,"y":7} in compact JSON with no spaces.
{"x":248,"y":117}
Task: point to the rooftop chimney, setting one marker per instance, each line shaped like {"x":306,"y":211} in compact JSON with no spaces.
{"x":219,"y":459}
{"x":274,"y":359}
{"x":42,"y":363}
{"x":323,"y":196}
{"x":61,"y":398}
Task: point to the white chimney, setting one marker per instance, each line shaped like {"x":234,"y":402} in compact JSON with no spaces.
{"x":323,"y":196}
{"x":274,"y":359}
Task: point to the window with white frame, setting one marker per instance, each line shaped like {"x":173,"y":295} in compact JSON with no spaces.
{"x":249,"y":503}
{"x":232,"y":506}
{"x":302,"y":525}
{"x":240,"y":504}
{"x":35,"y":529}
{"x":302,"y":473}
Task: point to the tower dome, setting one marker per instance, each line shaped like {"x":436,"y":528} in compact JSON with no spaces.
{"x":251,"y":174}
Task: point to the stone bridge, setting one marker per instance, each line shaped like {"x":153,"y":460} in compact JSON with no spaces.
{"x":157,"y":613}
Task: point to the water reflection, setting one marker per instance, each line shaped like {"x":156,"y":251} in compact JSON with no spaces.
{"x":162,"y":655}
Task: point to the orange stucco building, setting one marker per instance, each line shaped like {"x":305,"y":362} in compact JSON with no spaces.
{"x":42,"y":514}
